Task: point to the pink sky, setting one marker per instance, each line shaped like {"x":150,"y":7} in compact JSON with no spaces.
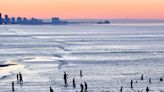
{"x":138,"y":9}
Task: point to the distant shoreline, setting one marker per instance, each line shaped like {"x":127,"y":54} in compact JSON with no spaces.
{"x":121,"y":20}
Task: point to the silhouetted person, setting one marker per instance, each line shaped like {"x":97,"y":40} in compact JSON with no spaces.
{"x":65,"y":78}
{"x":21,"y":78}
{"x":121,"y":89}
{"x":81,"y":73}
{"x":12,"y":86}
{"x":149,"y":80}
{"x":82,"y":87}
{"x":74,"y":84}
{"x":131,"y":84}
{"x":142,"y":77}
{"x":161,"y":79}
{"x":20,"y":74}
{"x":51,"y":90}
{"x":86,"y":86}
{"x":147,"y":89}
{"x":17,"y":78}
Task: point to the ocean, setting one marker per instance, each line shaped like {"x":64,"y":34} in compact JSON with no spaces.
{"x":110,"y":56}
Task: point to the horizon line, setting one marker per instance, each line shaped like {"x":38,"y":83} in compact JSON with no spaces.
{"x":109,"y":18}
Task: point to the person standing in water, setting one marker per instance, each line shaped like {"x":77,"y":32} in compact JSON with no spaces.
{"x":65,"y":78}
{"x":147,"y":89}
{"x":142,"y":77}
{"x":17,"y":78}
{"x":13,"y":87}
{"x":74,"y":84}
{"x":51,"y":90}
{"x":86,"y":86}
{"x":131,"y":83}
{"x":82,"y":87}
{"x":81,"y":73}
{"x":121,"y":89}
{"x":21,"y":78}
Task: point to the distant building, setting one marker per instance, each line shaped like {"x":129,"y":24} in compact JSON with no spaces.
{"x":35,"y":21}
{"x":57,"y":21}
{"x":9,"y":20}
{"x":1,"y":20}
{"x":25,"y":21}
{"x":13,"y":20}
{"x":6,"y":20}
{"x":19,"y":20}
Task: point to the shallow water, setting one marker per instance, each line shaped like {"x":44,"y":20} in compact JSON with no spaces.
{"x":109,"y":55}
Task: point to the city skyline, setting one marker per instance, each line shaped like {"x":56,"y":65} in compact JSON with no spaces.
{"x":32,"y":21}
{"x":84,"y":9}
{"x":6,"y":19}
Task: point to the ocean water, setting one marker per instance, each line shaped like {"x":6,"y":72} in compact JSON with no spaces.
{"x":109,"y":55}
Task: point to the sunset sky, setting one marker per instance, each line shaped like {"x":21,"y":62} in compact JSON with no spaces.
{"x":68,"y":9}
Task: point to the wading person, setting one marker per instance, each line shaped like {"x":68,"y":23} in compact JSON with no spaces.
{"x":142,"y":77}
{"x":81,"y":73}
{"x":21,"y":79}
{"x":17,"y":78}
{"x":82,"y":87}
{"x":86,"y":86}
{"x":147,"y":89}
{"x":65,"y":79}
{"x":20,"y":74}
{"x":74,"y":84}
{"x":51,"y":90}
{"x":121,"y":89}
{"x":12,"y":86}
{"x":131,"y":84}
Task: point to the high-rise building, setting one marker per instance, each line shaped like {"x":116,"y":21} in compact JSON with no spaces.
{"x":1,"y":20}
{"x":6,"y":20}
{"x":25,"y":20}
{"x":13,"y":20}
{"x":9,"y":20}
{"x":19,"y":20}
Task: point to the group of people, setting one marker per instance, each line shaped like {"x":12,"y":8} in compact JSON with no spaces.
{"x":83,"y":88}
{"x":142,"y":78}
{"x":19,"y":80}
